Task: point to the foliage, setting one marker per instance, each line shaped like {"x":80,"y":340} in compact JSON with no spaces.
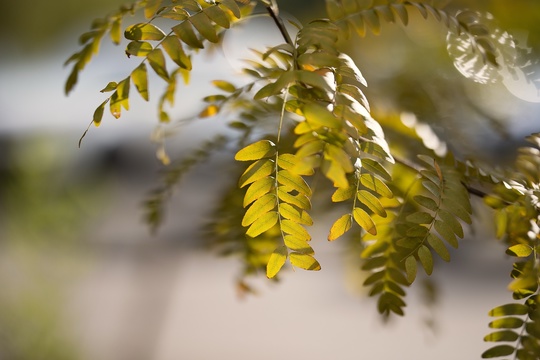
{"x":404,"y":204}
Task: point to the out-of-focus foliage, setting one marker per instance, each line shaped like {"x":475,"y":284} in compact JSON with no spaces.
{"x":302,"y":127}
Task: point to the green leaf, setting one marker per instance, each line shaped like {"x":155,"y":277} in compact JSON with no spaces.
{"x":503,"y":335}
{"x":256,"y":151}
{"x":410,"y":268}
{"x":498,"y":351}
{"x":318,"y":116}
{"x":426,"y":202}
{"x":262,"y":224}
{"x":256,"y":171}
{"x":446,"y":233}
{"x":365,"y":221}
{"x":507,"y":323}
{"x":224,"y":85}
{"x":304,"y":261}
{"x":519,"y":250}
{"x":372,"y":202}
{"x":509,"y":309}
{"x":143,"y":31}
{"x":451,"y":221}
{"x":157,"y":62}
{"x":439,"y":247}
{"x":204,"y":26}
{"x":293,"y":181}
{"x":340,"y":227}
{"x":217,"y":15}
{"x":420,"y":217}
{"x":426,"y":259}
{"x":260,"y":207}
{"x":297,"y":244}
{"x":257,"y":189}
{"x":173,"y":48}
{"x":276,"y":261}
{"x":185,"y":32}
{"x":140,"y":80}
{"x":456,"y":209}
{"x":138,"y":48}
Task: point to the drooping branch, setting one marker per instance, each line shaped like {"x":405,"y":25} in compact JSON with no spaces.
{"x":273,"y":10}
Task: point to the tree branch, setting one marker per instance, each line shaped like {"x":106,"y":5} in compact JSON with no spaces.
{"x":273,"y":10}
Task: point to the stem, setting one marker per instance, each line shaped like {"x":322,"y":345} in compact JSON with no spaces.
{"x":273,"y":10}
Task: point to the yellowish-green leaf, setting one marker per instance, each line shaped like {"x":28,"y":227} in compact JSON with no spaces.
{"x":365,"y":221}
{"x":498,"y":351}
{"x":313,"y":79}
{"x":501,"y":221}
{"x":173,"y":47}
{"x":503,"y":335}
{"x":217,"y":15}
{"x":256,"y":171}
{"x":262,"y":224}
{"x":509,"y":309}
{"x":336,"y":173}
{"x":151,"y":7}
{"x":410,"y":268}
{"x":295,"y":229}
{"x":426,"y":259}
{"x":232,"y":6}
{"x":98,"y":113}
{"x":340,"y":227}
{"x":204,"y":26}
{"x":257,"y":189}
{"x":140,"y":80}
{"x":259,"y":150}
{"x":224,"y":85}
{"x":372,"y":202}
{"x":110,"y":87}
{"x":260,"y":207}
{"x":304,"y":261}
{"x":116,"y":31}
{"x":339,"y":156}
{"x":276,"y":261}
{"x":185,"y":32}
{"x":343,"y":194}
{"x":138,"y":48}
{"x":120,"y":98}
{"x":374,"y":183}
{"x":519,"y":250}
{"x":298,"y":245}
{"x":143,"y":31}
{"x":157,"y":62}
{"x":300,"y":200}
{"x":318,"y":116}
{"x":293,"y":181}
{"x":507,"y":323}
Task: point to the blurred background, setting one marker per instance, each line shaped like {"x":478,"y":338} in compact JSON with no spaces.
{"x":81,"y":275}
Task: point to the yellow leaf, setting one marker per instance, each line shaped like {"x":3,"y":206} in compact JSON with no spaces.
{"x":138,"y":48}
{"x":209,"y":111}
{"x":218,"y":16}
{"x":295,"y":229}
{"x":289,"y":212}
{"x":318,"y":116}
{"x":304,"y":261}
{"x":297,"y":244}
{"x":256,"y":171}
{"x":293,"y":181}
{"x":185,"y":32}
{"x":259,"y":208}
{"x":157,"y":62}
{"x":257,"y":189}
{"x":372,"y":202}
{"x":204,"y":26}
{"x":140,"y":80}
{"x":276,"y":261}
{"x":256,"y":151}
{"x":224,"y":85}
{"x":340,"y":227}
{"x":262,"y":224}
{"x":173,"y":48}
{"x":363,"y":219}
